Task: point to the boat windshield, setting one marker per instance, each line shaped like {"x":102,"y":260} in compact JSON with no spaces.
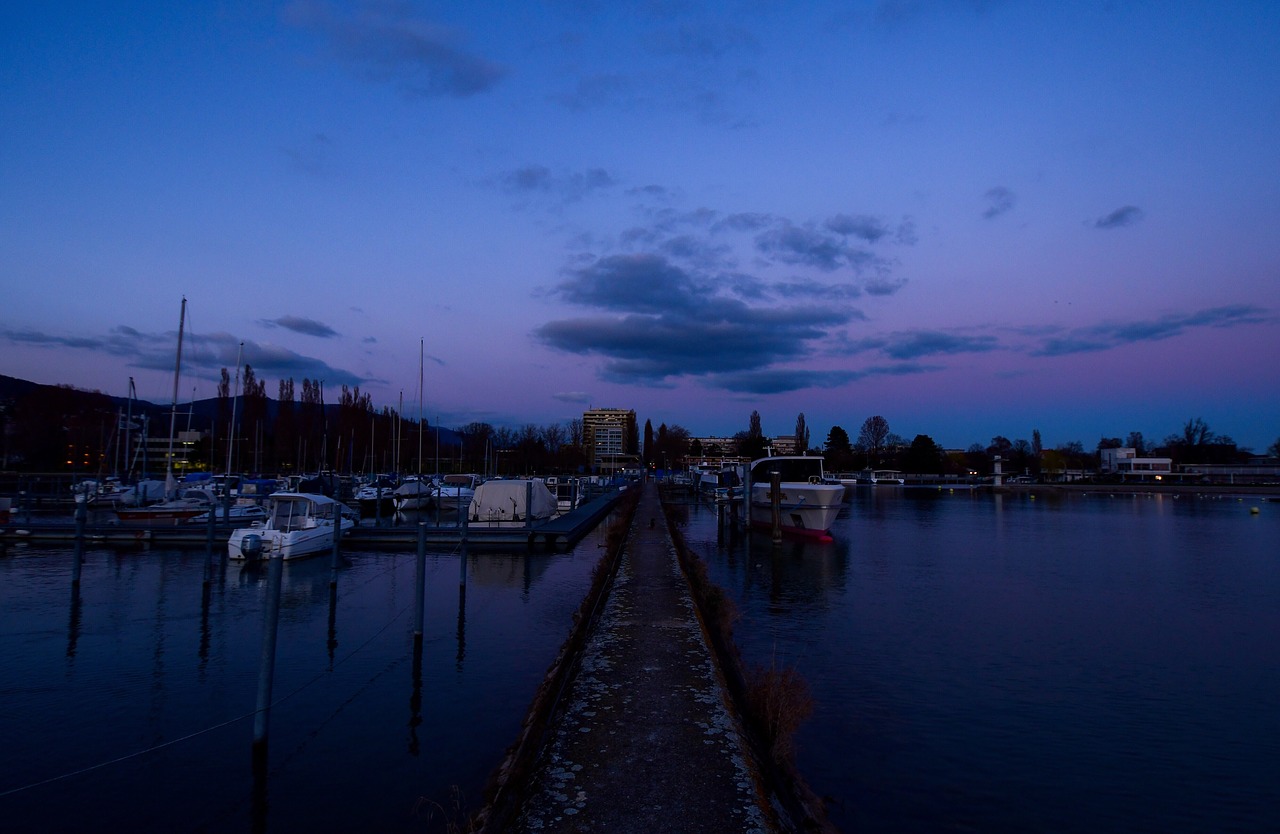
{"x":289,"y":513}
{"x":791,"y":469}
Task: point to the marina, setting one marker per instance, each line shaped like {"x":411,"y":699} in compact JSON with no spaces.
{"x":136,"y":698}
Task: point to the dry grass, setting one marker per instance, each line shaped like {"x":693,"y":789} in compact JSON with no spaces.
{"x":780,"y":701}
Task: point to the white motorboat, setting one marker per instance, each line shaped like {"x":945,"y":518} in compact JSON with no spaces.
{"x":300,"y":524}
{"x":808,"y":502}
{"x":456,"y":491}
{"x":415,"y":493}
{"x":190,"y":503}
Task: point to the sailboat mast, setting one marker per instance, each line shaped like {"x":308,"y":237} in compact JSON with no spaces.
{"x":177,"y":372}
{"x":420,"y":355}
{"x":231,"y":427}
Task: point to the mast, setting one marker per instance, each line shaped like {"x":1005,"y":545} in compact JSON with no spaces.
{"x":169,"y":482}
{"x":420,"y":343}
{"x":231,"y":427}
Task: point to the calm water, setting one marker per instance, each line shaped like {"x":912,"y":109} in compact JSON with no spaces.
{"x":364,"y":739}
{"x":1001,"y":663}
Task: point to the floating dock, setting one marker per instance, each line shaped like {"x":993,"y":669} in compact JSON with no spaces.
{"x":558,"y":533}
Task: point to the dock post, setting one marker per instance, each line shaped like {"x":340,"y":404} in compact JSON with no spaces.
{"x":337,"y":548}
{"x":267,"y":662}
{"x":81,"y":512}
{"x":208,"y":543}
{"x":377,"y":508}
{"x":775,"y":502}
{"x":420,"y":585}
{"x":528,"y":503}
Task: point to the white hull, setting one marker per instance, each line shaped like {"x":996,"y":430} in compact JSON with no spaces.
{"x":806,"y":508}
{"x":300,"y":525}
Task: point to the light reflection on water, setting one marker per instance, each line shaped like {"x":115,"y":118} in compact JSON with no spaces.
{"x":1002,"y":663}
{"x":364,"y":733}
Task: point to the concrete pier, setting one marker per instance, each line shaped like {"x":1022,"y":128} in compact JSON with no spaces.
{"x":644,"y":738}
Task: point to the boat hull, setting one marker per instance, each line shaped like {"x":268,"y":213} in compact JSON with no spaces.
{"x":805,"y":509}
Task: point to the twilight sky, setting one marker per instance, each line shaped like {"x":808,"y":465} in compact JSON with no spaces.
{"x":972,"y":217}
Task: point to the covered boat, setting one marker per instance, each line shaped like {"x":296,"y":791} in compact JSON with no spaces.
{"x":517,"y":501}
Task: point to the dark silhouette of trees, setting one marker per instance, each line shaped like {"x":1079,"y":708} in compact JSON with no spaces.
{"x":751,"y":444}
{"x":837,"y":450}
{"x":923,"y":456}
{"x":802,"y":435}
{"x":648,"y":459}
{"x":872,"y":437}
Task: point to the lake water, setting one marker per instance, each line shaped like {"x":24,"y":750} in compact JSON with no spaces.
{"x":1008,"y":663}
{"x":131,"y":710}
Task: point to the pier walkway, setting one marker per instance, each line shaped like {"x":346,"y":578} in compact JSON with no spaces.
{"x":644,"y":740}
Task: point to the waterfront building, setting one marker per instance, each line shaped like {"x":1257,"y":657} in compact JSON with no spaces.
{"x":1124,"y":461}
{"x":610,"y":439}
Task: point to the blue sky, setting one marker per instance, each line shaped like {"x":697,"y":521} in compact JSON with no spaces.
{"x":973,"y":218}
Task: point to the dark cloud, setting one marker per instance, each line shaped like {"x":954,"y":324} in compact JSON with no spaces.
{"x":870,"y":229}
{"x":203,"y":354}
{"x":781,"y":380}
{"x":807,"y":246}
{"x":669,"y":322}
{"x":746,"y":222}
{"x":1112,"y":335}
{"x":1118,"y":219}
{"x":884,"y":285}
{"x":999,"y":201}
{"x":918,"y":343}
{"x":572,"y":396}
{"x":307,"y":327}
{"x":636,"y":283}
{"x":385,"y":42}
{"x":538,"y":179}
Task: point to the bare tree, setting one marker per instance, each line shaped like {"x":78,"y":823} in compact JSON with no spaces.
{"x":875,"y":430}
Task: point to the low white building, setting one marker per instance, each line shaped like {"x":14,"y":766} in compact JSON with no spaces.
{"x":1124,"y":461}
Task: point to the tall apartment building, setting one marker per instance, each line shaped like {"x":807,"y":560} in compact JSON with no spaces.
{"x":609,"y":435}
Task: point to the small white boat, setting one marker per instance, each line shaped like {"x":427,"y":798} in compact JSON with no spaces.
{"x":880,"y":477}
{"x":456,"y":491}
{"x":809,"y":503}
{"x":191,"y":502}
{"x":415,"y":493}
{"x":300,"y":524}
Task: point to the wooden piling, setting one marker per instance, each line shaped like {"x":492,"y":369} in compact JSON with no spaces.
{"x":775,"y":503}
{"x":267,"y":661}
{"x":420,"y":584}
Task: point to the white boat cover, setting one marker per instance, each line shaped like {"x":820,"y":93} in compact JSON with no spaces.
{"x":505,"y":501}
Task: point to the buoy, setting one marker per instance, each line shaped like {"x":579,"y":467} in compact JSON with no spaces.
{"x":1253,"y":511}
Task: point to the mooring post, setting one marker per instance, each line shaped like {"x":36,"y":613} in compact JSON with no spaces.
{"x":377,"y":509}
{"x":528,"y":503}
{"x":226,"y":507}
{"x":462,"y":568}
{"x":337,"y":546}
{"x":208,"y":543}
{"x":420,"y":584}
{"x":775,"y":501}
{"x":267,"y":662}
{"x":81,"y":512}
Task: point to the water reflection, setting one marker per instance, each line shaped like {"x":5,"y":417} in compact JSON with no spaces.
{"x":1012,"y":662}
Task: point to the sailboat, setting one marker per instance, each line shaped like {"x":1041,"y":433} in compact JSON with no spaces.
{"x":172,"y":509}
